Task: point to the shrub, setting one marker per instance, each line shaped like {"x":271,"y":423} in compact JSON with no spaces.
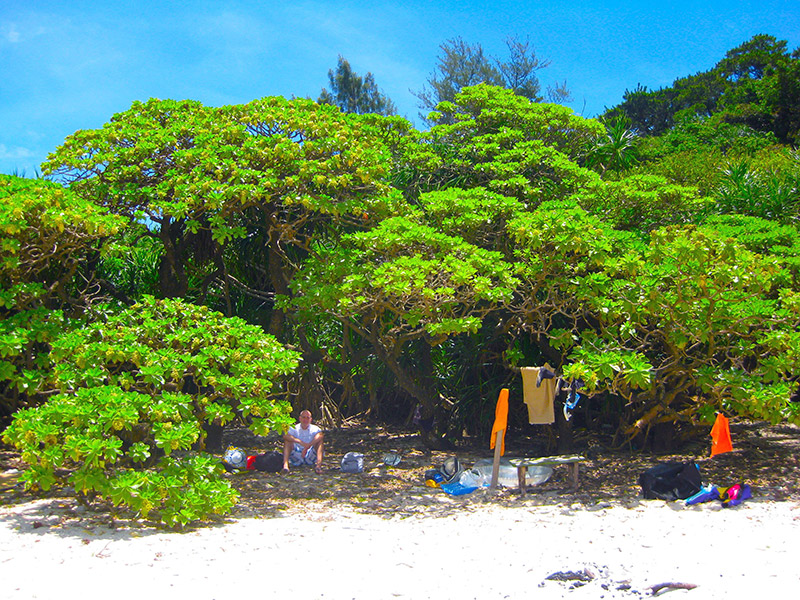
{"x":134,"y":391}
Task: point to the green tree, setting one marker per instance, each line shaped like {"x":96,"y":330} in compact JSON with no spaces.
{"x":130,"y":263}
{"x":653,"y":112}
{"x":50,"y":241}
{"x":755,"y":84}
{"x":461,"y":65}
{"x":139,"y":166}
{"x":404,"y":287}
{"x":764,"y":86}
{"x":766,"y":185}
{"x":646,"y":110}
{"x":476,"y":215}
{"x":494,"y":139}
{"x":237,"y":196}
{"x":354,"y":94}
{"x":134,"y":391}
{"x":750,"y":61}
{"x":679,"y":326}
{"x":696,"y":135}
{"x":616,"y":150}
{"x":644,"y":202}
{"x":769,"y":238}
{"x":780,"y":95}
{"x":247,"y":185}
{"x":697,"y":151}
{"x":519,"y":71}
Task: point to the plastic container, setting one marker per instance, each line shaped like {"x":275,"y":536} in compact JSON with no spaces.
{"x":472,"y":478}
{"x":507,"y":476}
{"x":537,"y":475}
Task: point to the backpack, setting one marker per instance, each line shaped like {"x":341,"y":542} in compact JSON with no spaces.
{"x":353,"y":462}
{"x":671,"y":481}
{"x":271,"y":462}
{"x":451,"y":469}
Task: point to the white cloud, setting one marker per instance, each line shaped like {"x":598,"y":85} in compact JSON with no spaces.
{"x":19,"y":33}
{"x":9,"y":33}
{"x":16,"y":152}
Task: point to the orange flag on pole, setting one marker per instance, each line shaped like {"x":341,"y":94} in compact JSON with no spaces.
{"x":720,"y":436}
{"x":500,"y":421}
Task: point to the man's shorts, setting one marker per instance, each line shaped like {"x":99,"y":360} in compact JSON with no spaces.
{"x":297,"y":459}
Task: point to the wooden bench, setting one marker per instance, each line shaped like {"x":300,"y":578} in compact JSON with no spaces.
{"x":522,"y":464}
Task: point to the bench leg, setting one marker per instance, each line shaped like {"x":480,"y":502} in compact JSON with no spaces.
{"x":574,"y":472}
{"x":522,"y":476}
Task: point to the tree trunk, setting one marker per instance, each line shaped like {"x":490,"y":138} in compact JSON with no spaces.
{"x":213,"y":441}
{"x":278,"y":278}
{"x":171,"y":270}
{"x":432,"y":414}
{"x":426,"y":397}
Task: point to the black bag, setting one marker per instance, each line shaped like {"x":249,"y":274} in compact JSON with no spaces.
{"x":671,"y":481}
{"x":272,"y":462}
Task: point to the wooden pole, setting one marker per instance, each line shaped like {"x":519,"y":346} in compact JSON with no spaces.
{"x":498,"y":444}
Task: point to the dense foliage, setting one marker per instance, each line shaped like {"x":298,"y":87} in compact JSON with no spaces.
{"x":756,"y":84}
{"x":134,"y":389}
{"x":49,"y":239}
{"x":652,"y":254}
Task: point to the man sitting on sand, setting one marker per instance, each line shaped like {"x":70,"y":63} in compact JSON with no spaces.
{"x":302,"y":444}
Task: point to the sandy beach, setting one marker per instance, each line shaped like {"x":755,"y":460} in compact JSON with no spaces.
{"x":383,"y":534}
{"x":606,"y":550}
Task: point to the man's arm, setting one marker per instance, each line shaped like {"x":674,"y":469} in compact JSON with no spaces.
{"x":289,"y":436}
{"x":315,"y":439}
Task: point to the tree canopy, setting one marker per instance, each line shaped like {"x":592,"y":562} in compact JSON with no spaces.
{"x":190,"y":266}
{"x":755,"y":84}
{"x":354,"y":94}
{"x":50,"y":243}
{"x":461,"y":65}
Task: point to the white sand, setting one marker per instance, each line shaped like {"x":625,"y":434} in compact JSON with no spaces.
{"x":483,"y":551}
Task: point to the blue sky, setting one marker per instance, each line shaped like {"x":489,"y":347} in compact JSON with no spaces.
{"x":71,"y":65}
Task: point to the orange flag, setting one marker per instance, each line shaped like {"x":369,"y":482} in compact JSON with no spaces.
{"x":500,"y":421}
{"x":720,"y":436}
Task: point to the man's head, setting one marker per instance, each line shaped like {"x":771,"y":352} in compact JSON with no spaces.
{"x":305,"y":419}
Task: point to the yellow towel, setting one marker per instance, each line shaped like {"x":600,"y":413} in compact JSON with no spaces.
{"x":539,"y":399}
{"x":500,"y":421}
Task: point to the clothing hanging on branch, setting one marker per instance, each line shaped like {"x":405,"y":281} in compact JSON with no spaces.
{"x":539,"y":398}
{"x":573,"y":397}
{"x":720,"y":436}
